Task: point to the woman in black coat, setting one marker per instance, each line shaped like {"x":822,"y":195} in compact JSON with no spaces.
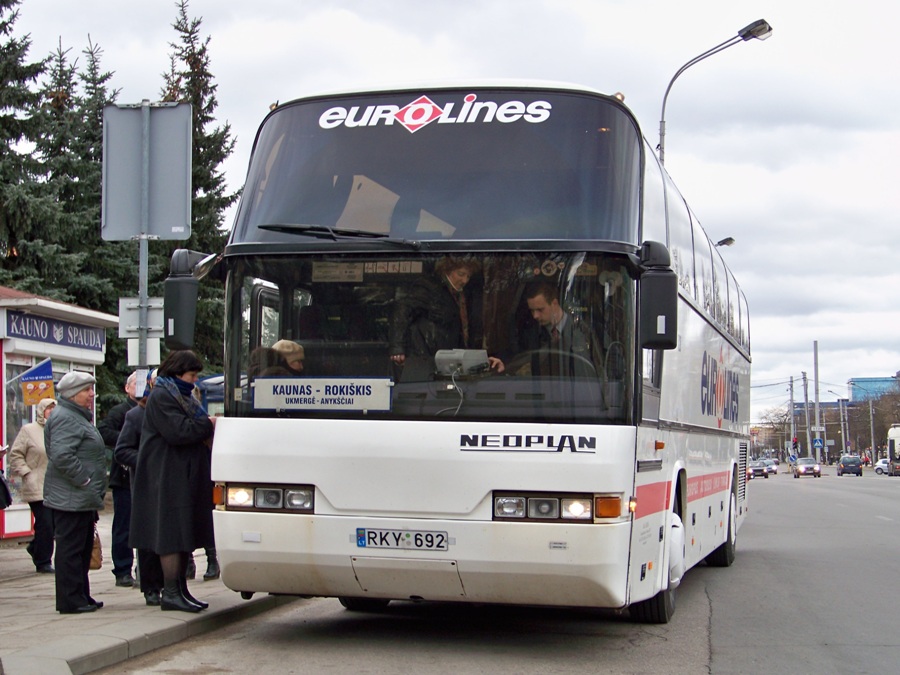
{"x":172,"y":489}
{"x":436,"y":313}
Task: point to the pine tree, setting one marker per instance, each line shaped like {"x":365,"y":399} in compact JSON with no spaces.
{"x":113,"y":263}
{"x":24,"y":205}
{"x":189,"y":80}
{"x":70,"y":256}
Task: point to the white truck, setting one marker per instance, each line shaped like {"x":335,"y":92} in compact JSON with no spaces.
{"x":893,"y":444}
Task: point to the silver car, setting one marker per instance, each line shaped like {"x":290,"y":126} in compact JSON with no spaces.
{"x":807,"y":466}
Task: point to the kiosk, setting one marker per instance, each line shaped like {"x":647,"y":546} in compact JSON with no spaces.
{"x":32,"y":329}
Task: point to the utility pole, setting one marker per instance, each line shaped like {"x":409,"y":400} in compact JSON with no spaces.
{"x":816,"y":392}
{"x":806,"y":409}
{"x":793,"y":420}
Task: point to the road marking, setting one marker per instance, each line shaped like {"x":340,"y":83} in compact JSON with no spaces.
{"x":884,"y":518}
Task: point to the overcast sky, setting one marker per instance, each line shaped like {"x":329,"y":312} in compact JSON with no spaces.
{"x":789,"y":145}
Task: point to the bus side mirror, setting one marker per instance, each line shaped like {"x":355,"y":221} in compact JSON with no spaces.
{"x":657,"y":299}
{"x":180,"y":299}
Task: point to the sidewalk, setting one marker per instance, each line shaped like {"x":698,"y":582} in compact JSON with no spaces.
{"x":36,"y":640}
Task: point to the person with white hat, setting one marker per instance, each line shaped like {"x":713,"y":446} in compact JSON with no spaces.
{"x":74,"y":486}
{"x":292,"y":354}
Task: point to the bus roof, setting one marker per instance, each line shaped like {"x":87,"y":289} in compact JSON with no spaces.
{"x":445,"y":84}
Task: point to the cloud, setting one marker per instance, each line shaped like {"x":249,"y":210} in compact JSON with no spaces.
{"x":786,"y":145}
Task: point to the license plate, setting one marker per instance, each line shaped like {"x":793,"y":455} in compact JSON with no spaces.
{"x":415,"y":540}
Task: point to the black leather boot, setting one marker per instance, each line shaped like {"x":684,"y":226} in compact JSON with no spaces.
{"x":212,"y":565}
{"x":171,"y":599}
{"x":186,"y":594}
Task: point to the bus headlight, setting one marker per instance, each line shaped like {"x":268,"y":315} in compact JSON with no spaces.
{"x":577,"y":509}
{"x":270,"y":498}
{"x":509,"y":507}
{"x":298,"y":498}
{"x":547,"y":506}
{"x":543,"y":507}
{"x":239,"y":497}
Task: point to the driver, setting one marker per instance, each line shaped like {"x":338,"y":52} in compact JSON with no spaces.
{"x":561,"y":345}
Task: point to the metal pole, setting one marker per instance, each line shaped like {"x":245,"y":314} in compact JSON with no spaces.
{"x":806,"y":408}
{"x":816,"y":394}
{"x":872,"y":427}
{"x":793,"y":419}
{"x":662,"y":117}
{"x":844,"y":438}
{"x":143,"y":249}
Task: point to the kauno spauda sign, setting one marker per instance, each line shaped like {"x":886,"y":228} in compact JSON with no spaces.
{"x":54,"y":331}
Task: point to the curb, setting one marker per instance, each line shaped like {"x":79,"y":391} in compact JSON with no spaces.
{"x":109,"y":645}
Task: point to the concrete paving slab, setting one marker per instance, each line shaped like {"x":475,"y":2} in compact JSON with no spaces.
{"x":36,"y":640}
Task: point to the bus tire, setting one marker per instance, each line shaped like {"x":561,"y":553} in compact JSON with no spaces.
{"x":658,"y":609}
{"x":723,"y":556}
{"x":661,"y":607}
{"x":364,"y":604}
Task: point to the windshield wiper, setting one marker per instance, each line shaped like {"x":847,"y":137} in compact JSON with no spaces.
{"x":321,"y":231}
{"x":335,"y":233}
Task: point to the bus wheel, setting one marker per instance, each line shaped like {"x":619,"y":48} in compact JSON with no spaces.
{"x":364,"y":604}
{"x":723,"y":556}
{"x":658,"y":609}
{"x":661,"y":607}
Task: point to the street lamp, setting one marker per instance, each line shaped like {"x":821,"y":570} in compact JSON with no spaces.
{"x":759,"y":30}
{"x":727,"y":241}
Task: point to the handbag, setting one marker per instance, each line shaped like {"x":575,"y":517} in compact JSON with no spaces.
{"x":96,"y":552}
{"x":5,"y":495}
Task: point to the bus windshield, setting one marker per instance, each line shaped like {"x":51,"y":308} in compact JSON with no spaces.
{"x":487,"y":165}
{"x":502,"y":336}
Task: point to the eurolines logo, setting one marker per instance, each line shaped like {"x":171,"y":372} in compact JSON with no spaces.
{"x":719,"y":389}
{"x":423,"y":111}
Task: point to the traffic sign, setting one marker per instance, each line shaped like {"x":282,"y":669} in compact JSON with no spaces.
{"x":146,"y":171}
{"x":130,"y":318}
{"x":818,"y":443}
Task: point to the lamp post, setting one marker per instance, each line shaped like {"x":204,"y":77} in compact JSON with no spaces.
{"x":759,"y":30}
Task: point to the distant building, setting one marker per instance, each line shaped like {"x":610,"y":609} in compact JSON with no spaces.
{"x":864,"y":388}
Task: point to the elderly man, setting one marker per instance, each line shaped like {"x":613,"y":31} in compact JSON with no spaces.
{"x":74,"y":486}
{"x":120,"y":482}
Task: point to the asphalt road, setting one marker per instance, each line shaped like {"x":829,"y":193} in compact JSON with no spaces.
{"x":811,"y":591}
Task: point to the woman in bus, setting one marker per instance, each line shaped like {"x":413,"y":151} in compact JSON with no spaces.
{"x":172,"y":490}
{"x":437,"y":313}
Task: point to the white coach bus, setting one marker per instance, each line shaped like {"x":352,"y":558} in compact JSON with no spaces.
{"x":443,"y":442}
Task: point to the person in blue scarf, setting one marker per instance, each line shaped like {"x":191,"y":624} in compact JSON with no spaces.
{"x":172,"y":488}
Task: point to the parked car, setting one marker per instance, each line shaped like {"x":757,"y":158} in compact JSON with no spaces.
{"x":771,"y":464}
{"x":882,"y":466}
{"x":850,"y":464}
{"x":807,"y":466}
{"x":757,"y":469}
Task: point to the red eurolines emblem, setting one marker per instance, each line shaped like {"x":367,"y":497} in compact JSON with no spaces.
{"x":421,"y":112}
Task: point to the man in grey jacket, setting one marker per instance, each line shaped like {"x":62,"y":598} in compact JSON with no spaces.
{"x":74,"y":486}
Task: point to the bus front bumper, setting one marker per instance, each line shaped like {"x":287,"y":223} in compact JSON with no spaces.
{"x":558,"y":564}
